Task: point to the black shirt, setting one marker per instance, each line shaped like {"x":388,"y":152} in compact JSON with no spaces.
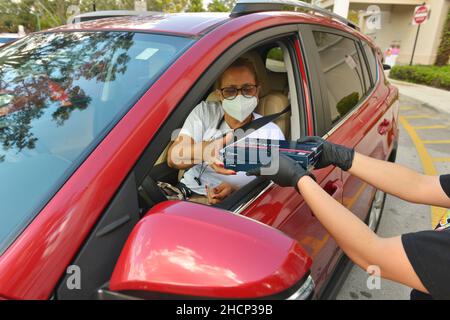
{"x":429,"y":254}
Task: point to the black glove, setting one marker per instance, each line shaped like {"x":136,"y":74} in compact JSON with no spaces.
{"x":288,"y":173}
{"x":334,"y":154}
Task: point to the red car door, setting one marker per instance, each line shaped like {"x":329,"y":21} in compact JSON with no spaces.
{"x":356,"y":110}
{"x":373,"y":133}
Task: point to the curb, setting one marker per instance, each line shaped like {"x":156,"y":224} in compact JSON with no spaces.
{"x":424,"y":102}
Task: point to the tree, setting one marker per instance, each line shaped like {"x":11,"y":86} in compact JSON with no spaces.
{"x":14,"y":14}
{"x":53,"y":13}
{"x":218,"y":6}
{"x":88,"y":5}
{"x":167,"y":5}
{"x":195,"y":6}
{"x":35,"y":87}
{"x":444,"y":48}
{"x":50,"y":13}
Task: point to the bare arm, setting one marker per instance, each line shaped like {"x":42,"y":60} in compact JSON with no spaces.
{"x":184,"y":153}
{"x":400,"y":181}
{"x":360,"y":243}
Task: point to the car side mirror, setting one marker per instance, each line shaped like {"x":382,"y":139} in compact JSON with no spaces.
{"x":182,"y":249}
{"x":386,"y":67}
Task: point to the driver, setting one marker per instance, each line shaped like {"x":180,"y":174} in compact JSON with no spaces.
{"x":197,"y":145}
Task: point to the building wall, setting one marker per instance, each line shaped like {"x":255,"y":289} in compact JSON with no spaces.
{"x":397,"y":28}
{"x":394,"y":2}
{"x":431,"y":32}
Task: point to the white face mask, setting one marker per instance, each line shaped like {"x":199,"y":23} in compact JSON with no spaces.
{"x":240,"y":107}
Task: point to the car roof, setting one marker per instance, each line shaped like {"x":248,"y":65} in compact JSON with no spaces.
{"x":189,"y":24}
{"x":192,"y":24}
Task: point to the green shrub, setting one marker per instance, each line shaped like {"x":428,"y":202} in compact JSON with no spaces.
{"x":434,"y":76}
{"x":275,"y":54}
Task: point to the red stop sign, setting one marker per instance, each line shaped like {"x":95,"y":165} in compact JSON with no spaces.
{"x":420,"y":14}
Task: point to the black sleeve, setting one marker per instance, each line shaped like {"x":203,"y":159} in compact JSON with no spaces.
{"x":429,"y":254}
{"x":445,"y":183}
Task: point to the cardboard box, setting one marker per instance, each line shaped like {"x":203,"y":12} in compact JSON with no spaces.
{"x":247,"y":154}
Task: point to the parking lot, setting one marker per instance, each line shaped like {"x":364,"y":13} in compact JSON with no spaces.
{"x":424,"y":145}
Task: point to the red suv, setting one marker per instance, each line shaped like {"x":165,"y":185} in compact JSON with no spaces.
{"x":87,"y":112}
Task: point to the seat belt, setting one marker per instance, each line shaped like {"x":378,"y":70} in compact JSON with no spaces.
{"x":261,"y":122}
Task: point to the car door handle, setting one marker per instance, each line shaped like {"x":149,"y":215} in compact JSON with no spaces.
{"x":331,"y":187}
{"x":383,"y":127}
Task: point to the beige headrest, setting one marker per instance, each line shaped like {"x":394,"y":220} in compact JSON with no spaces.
{"x":261,"y":71}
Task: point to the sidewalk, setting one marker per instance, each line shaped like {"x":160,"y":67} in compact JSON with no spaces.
{"x":434,"y":98}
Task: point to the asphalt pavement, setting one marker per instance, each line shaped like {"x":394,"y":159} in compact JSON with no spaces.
{"x":424,"y":146}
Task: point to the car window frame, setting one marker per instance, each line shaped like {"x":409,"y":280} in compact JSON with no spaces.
{"x":258,"y":187}
{"x":366,"y":59}
{"x":315,"y":80}
{"x":364,"y":67}
{"x":201,"y":86}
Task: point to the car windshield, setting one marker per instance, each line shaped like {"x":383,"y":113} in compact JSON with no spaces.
{"x":6,"y":40}
{"x":60,"y":94}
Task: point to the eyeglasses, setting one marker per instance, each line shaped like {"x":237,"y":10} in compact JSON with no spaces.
{"x":247,"y":91}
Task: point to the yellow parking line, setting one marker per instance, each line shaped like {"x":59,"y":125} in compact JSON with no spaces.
{"x":441,"y":159}
{"x":436,"y":141}
{"x":437,"y":126}
{"x":427,"y":164}
{"x":437,"y":215}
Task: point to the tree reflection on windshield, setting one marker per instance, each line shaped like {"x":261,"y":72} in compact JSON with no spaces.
{"x":61,"y":93}
{"x":48,"y":71}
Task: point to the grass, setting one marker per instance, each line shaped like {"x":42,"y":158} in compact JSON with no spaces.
{"x":434,"y":76}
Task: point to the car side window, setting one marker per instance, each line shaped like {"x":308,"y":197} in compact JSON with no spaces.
{"x":340,"y":62}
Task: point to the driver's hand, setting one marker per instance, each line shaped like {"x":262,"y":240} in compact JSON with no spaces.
{"x":211,"y":150}
{"x":217,"y":194}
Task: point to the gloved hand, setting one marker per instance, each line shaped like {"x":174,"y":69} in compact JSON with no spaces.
{"x":288,"y":174}
{"x":334,"y":154}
